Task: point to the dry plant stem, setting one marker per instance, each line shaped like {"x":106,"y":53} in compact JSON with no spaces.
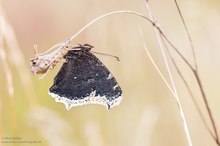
{"x":195,"y":71}
{"x":188,"y":89}
{"x":186,"y":129}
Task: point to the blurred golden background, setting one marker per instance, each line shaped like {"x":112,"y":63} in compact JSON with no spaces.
{"x":148,"y":114}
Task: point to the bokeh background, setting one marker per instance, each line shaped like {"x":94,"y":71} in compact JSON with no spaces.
{"x":148,"y":114}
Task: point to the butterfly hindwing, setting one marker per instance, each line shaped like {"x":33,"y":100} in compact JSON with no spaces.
{"x":83,"y":79}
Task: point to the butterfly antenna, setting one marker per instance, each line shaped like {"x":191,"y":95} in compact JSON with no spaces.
{"x":116,"y":57}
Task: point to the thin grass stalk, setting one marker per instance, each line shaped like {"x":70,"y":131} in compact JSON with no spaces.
{"x":186,"y":129}
{"x":195,"y":72}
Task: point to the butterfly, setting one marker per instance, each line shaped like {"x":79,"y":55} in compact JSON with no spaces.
{"x":83,"y":79}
